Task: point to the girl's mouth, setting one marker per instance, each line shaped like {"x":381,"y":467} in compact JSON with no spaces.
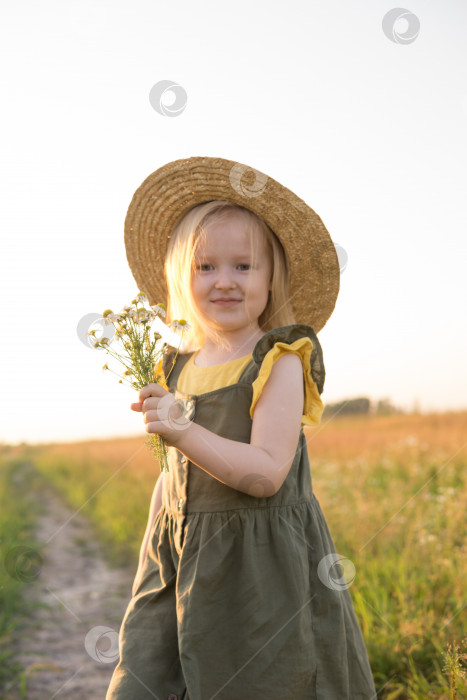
{"x":228,"y":302}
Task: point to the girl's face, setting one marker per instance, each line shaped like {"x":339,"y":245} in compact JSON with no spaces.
{"x":224,"y":270}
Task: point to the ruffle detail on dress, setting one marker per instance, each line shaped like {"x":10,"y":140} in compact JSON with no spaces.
{"x":313,"y":406}
{"x":301,"y":340}
{"x":289,"y":334}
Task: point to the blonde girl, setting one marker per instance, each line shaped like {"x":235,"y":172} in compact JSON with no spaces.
{"x":238,"y":592}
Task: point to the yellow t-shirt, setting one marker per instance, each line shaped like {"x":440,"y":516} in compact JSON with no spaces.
{"x":199,"y":380}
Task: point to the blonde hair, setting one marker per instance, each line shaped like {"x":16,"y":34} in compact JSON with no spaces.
{"x":180,"y":264}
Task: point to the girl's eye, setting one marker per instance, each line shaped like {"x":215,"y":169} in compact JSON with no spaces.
{"x":202,"y":266}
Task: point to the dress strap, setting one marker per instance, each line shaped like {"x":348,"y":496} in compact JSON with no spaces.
{"x":249,"y":373}
{"x":174,"y":372}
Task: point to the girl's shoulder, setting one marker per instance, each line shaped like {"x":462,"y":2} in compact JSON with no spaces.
{"x":287,"y":335}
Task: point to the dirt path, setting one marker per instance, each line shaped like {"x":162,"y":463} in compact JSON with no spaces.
{"x":69,"y":649}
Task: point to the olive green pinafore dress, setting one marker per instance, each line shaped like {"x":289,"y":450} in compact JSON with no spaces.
{"x":236,"y":601}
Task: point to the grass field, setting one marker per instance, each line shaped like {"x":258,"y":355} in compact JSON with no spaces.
{"x":19,"y":554}
{"x":393,"y":491}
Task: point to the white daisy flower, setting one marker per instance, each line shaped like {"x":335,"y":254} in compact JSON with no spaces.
{"x":109,"y":317}
{"x":180,"y":325}
{"x":159,"y":310}
{"x":142,"y":315}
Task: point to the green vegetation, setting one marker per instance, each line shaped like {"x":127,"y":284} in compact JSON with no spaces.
{"x":393,"y":492}
{"x":20,"y":558}
{"x":359,"y":406}
{"x":113,"y":495}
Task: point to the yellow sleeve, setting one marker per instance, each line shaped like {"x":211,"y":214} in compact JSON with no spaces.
{"x":313,"y":406}
{"x":160,"y":375}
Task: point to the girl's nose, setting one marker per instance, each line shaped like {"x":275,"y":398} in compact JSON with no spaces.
{"x":225,"y":279}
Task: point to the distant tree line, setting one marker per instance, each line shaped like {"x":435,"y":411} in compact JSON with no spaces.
{"x":360,"y":405}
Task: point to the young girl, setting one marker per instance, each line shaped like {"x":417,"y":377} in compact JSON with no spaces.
{"x":238,"y":594}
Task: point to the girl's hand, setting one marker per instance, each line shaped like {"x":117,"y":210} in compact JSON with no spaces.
{"x":161,"y":412}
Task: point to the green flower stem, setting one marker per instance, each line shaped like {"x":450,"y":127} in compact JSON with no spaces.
{"x":157,"y":446}
{"x":122,"y":377}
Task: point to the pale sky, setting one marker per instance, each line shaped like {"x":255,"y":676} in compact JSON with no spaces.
{"x":370,"y":132}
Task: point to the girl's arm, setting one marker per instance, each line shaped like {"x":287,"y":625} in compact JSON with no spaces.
{"x":154,"y":508}
{"x":258,"y":468}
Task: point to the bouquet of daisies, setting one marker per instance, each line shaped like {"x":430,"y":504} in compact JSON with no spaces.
{"x":143,"y":351}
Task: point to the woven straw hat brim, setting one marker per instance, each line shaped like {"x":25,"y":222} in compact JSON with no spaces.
{"x":175,"y":188}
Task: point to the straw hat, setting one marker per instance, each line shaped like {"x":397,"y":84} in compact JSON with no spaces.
{"x":175,"y":188}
